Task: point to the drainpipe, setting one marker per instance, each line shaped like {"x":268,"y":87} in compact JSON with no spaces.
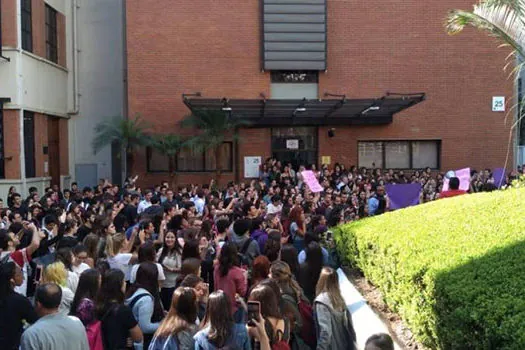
{"x":19,"y":98}
{"x":76,"y":99}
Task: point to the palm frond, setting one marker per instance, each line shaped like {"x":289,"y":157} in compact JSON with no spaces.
{"x":503,"y":19}
{"x":127,"y":133}
{"x":168,"y":144}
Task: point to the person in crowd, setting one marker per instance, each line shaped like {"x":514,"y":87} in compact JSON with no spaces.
{"x":218,"y":329}
{"x":81,"y":256}
{"x":297,"y":227}
{"x":289,"y":256}
{"x":66,"y":257}
{"x":178,"y":327}
{"x":57,"y":273}
{"x":248,"y":248}
{"x":143,"y":298}
{"x":310,"y":270}
{"x":170,"y":258}
{"x":202,"y":290}
{"x":229,"y":277}
{"x":277,"y":328}
{"x":336,"y":330}
{"x":272,"y":247}
{"x":83,"y":305}
{"x":118,"y":255}
{"x":14,"y":308}
{"x":260,"y":269}
{"x":453,"y":189}
{"x":379,"y":341}
{"x":69,"y":239}
{"x":92,"y":245}
{"x":311,"y":237}
{"x":147,"y":254}
{"x":53,"y":330}
{"x":117,"y":320}
{"x":258,"y":233}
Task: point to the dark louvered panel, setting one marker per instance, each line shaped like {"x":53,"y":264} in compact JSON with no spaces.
{"x":294,"y":34}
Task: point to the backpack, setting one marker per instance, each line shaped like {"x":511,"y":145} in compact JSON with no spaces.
{"x":243,"y":258}
{"x":94,"y":335}
{"x":169,"y":343}
{"x":307,"y":333}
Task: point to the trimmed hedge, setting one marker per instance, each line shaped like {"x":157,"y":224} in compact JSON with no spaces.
{"x":453,"y":269}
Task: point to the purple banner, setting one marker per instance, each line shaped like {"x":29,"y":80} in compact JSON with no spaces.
{"x":402,"y":196}
{"x":500,"y":177}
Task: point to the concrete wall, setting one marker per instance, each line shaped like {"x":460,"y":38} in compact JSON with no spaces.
{"x":100,"y":79}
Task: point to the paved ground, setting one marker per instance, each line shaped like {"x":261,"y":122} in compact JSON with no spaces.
{"x":366,"y":322}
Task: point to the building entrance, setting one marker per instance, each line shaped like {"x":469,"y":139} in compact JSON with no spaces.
{"x":295,"y":145}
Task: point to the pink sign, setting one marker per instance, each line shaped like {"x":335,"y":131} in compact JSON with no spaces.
{"x":311,"y":181}
{"x":464,"y":179}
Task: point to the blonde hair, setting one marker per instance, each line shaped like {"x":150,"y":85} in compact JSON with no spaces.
{"x":56,"y":273}
{"x":282,"y":274}
{"x":114,"y":243}
{"x":329,"y":283}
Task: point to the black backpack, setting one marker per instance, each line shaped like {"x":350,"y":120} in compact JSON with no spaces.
{"x":244,"y":260}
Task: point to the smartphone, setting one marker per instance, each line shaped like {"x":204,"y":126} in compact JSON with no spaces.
{"x":328,"y":235}
{"x":254,"y":309}
{"x":38,"y":273}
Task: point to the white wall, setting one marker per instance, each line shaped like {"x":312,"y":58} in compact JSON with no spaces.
{"x":100,"y":78}
{"x":59,"y":5}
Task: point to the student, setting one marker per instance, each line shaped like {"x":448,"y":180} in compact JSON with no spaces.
{"x":57,"y":273}
{"x":218,"y":329}
{"x":144,"y":300}
{"x":334,"y":321}
{"x":14,"y":308}
{"x":178,"y":328}
{"x":81,"y":256}
{"x":83,"y":305}
{"x":380,"y":341}
{"x":118,"y":322}
{"x":309,"y":270}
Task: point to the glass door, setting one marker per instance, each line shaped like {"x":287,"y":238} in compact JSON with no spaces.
{"x":296,"y":145}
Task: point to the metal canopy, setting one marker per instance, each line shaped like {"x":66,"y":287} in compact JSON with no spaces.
{"x":342,"y":111}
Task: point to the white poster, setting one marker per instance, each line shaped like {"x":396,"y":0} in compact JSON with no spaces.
{"x":498,"y":104}
{"x":292,"y":144}
{"x":251,"y":167}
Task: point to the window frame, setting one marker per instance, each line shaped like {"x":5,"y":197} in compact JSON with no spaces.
{"x":202,"y":162}
{"x":51,"y":25}
{"x":410,"y":151}
{"x":26,"y":9}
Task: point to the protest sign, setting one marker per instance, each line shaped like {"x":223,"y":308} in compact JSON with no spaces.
{"x":500,"y":177}
{"x":310,"y":179}
{"x":464,"y":179}
{"x":403,"y":195}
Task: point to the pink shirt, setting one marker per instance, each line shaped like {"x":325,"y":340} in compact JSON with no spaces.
{"x":233,"y":283}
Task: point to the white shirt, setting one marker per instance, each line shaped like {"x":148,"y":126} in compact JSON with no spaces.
{"x":199,"y":204}
{"x":272,"y":209}
{"x":134,"y":269}
{"x":143,"y":205}
{"x":80,"y":268}
{"x":121,"y":262}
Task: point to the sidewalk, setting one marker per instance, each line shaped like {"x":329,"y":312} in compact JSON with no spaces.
{"x":366,"y":321}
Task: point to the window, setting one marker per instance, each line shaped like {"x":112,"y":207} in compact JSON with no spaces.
{"x":156,"y":161}
{"x":399,"y":154}
{"x":27,"y":27}
{"x":51,"y":34}
{"x":189,"y":160}
{"x":294,"y":77}
{"x":29,"y":143}
{"x":2,"y":150}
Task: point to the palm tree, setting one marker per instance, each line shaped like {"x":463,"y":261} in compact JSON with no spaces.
{"x":214,"y":126}
{"x":169,"y":145}
{"x":127,"y":134}
{"x":503,"y":19}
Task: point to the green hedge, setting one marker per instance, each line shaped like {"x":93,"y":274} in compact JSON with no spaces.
{"x":453,"y":269}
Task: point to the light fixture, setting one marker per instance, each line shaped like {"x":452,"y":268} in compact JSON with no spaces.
{"x":372,"y":108}
{"x":300,"y":109}
{"x":331,"y":132}
{"x":227,"y":109}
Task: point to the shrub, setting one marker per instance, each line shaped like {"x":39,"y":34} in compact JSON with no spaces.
{"x":453,"y":269}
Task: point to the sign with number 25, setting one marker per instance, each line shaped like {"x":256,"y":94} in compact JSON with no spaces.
{"x":498,"y":104}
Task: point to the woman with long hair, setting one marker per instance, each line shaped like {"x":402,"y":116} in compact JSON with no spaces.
{"x":66,"y":257}
{"x":118,"y":255}
{"x":260,"y":270}
{"x":218,"y":329}
{"x":57,"y":273}
{"x":297,"y":227}
{"x":118,"y":322}
{"x":178,"y":328}
{"x":272,"y":247}
{"x":69,"y":229}
{"x":14,"y":308}
{"x":91,"y":243}
{"x":289,"y":256}
{"x":147,"y":254}
{"x":228,"y":276}
{"x":334,"y":321}
{"x":83,"y":305}
{"x":310,"y":270}
{"x":277,"y":327}
{"x":143,"y":298}
{"x":170,"y":258}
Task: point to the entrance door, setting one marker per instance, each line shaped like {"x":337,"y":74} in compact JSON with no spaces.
{"x":296,"y":145}
{"x":53,"y":142}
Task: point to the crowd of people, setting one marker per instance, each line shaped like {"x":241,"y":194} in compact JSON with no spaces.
{"x":196,"y":267}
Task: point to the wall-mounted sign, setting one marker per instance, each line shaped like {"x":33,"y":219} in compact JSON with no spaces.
{"x":498,"y":103}
{"x":292,"y":144}
{"x":326,"y":160}
{"x":251,"y":167}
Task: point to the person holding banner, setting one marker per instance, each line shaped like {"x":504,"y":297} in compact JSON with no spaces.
{"x":453,"y":190}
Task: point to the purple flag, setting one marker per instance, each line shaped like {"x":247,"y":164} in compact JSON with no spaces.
{"x":402,"y":196}
{"x":500,"y":177}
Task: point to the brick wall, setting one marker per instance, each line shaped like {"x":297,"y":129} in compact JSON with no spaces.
{"x":38,"y":17}
{"x":64,"y":145}
{"x":373,"y":47}
{"x":61,"y":39}
{"x":9,"y":25}
{"x":40,"y":142}
{"x":12,"y":143}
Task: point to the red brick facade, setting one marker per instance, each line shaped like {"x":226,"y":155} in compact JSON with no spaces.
{"x":9,"y":32}
{"x":373,"y":47}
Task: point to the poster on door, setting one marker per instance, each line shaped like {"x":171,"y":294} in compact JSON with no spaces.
{"x":251,"y":167}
